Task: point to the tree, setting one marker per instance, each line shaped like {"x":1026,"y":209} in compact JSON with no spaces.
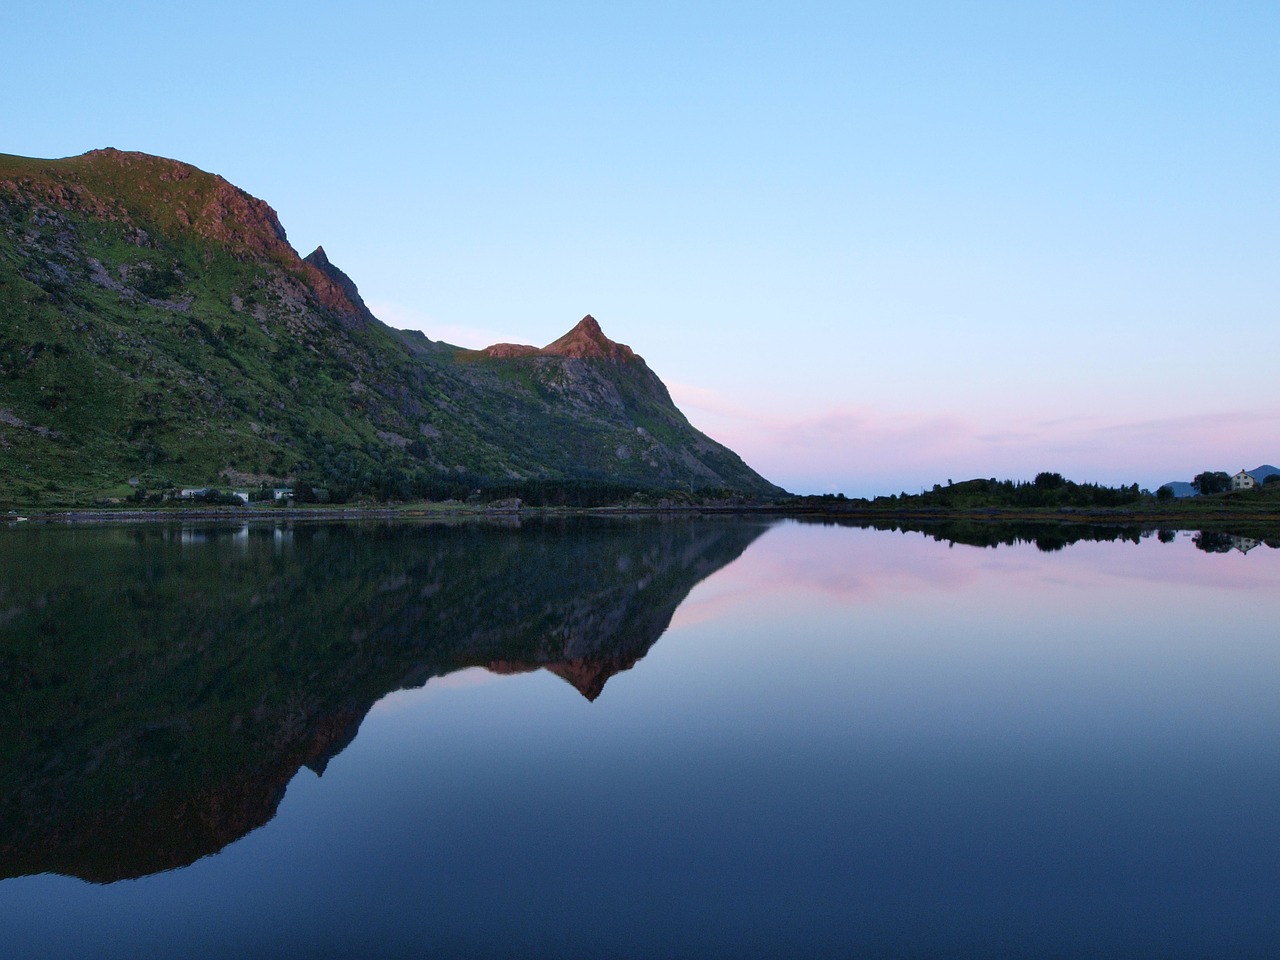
{"x":1211,"y":481}
{"x":1165,"y":493}
{"x":1211,"y":542}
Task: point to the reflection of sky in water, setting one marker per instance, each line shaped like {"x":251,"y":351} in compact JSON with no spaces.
{"x":847,"y":742}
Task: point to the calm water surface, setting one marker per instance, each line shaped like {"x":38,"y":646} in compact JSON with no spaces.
{"x":635,"y":739}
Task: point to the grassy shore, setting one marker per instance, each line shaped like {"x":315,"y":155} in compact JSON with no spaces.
{"x":1257,"y":515}
{"x":1058,"y":500}
{"x":1149,"y":514}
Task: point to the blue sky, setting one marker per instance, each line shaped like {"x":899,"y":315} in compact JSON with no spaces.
{"x":870,"y":246}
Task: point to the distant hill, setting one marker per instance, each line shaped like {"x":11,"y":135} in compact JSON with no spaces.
{"x":1261,"y":473}
{"x":1181,"y":488}
{"x":156,"y":325}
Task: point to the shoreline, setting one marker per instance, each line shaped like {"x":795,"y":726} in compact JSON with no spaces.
{"x":1182,"y":519}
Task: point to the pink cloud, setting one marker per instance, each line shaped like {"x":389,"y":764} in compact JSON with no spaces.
{"x":403,"y":318}
{"x":865,"y":450}
{"x":465,"y":679}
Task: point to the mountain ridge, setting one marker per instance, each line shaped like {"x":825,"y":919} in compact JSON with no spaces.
{"x":585,"y":341}
{"x":159,"y":327}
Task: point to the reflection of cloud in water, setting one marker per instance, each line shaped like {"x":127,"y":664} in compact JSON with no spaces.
{"x":862,"y":566}
{"x":840,"y":563}
{"x":464,"y":679}
{"x":1178,"y":562}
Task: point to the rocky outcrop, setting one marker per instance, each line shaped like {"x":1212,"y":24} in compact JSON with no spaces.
{"x":586,"y":341}
{"x":504,"y":351}
{"x":336,"y":290}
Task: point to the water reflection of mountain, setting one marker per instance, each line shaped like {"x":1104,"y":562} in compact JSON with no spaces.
{"x":161,"y":686}
{"x":1052,"y":535}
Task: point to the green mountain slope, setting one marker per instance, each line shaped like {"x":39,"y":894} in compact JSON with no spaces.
{"x":156,"y":324}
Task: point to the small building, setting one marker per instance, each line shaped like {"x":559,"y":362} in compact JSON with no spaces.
{"x":1243,"y":481}
{"x":281,"y":493}
{"x":190,"y":493}
{"x":1244,"y":544}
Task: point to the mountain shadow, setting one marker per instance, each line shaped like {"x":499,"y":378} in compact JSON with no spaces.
{"x":160,"y":686}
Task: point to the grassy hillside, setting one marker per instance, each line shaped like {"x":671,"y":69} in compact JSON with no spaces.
{"x":156,"y":325}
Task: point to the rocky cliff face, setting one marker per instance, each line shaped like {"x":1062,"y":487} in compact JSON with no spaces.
{"x":336,"y":290}
{"x":155,"y":324}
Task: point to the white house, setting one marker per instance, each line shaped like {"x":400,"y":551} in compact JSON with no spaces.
{"x":1244,"y":544}
{"x":1243,"y":481}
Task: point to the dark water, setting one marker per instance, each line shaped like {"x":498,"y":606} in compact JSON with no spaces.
{"x":636,"y":739}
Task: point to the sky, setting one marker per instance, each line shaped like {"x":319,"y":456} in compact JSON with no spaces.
{"x":869,"y":246}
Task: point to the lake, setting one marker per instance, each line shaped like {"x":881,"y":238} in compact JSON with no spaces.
{"x":637,"y":738}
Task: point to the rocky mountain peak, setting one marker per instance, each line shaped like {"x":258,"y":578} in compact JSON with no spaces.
{"x":319,"y":258}
{"x":336,"y":290}
{"x":155,"y":194}
{"x":587,"y":340}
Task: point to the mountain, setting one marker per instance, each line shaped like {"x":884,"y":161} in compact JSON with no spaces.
{"x":156,"y":325}
{"x":1261,"y":473}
